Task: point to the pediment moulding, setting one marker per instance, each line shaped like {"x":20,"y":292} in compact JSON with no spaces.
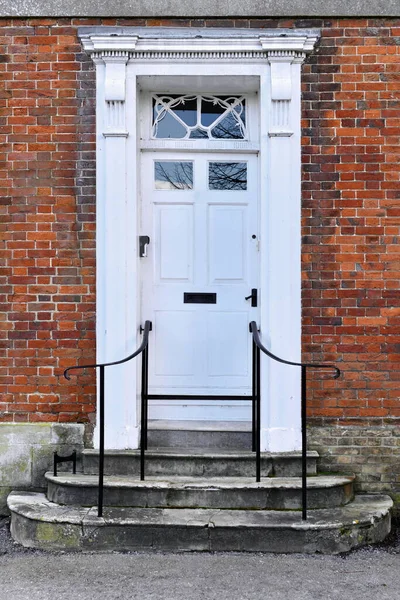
{"x":120,"y":44}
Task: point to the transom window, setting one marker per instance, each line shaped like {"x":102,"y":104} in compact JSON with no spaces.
{"x":173,"y":175}
{"x":199,"y":117}
{"x":179,"y":175}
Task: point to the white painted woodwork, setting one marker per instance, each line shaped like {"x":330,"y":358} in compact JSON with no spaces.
{"x":267,"y":62}
{"x":201,"y":241}
{"x":116,"y":271}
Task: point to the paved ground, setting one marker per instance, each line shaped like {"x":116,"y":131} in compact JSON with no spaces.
{"x":367,"y":574}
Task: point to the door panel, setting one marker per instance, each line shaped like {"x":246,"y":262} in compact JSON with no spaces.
{"x":173,"y":355}
{"x":174,"y":232}
{"x":227,"y":246}
{"x":200,"y":212}
{"x":222,"y":361}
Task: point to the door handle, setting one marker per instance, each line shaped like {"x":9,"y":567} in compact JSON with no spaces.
{"x":253,"y":297}
{"x":144,"y":241}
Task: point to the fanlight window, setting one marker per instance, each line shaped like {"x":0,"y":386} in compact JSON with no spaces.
{"x":199,"y":117}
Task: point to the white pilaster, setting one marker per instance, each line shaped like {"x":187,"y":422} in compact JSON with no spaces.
{"x":116,"y":233}
{"x":281,"y":315}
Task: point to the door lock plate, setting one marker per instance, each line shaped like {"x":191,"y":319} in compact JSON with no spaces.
{"x":253,"y":296}
{"x":144,"y":241}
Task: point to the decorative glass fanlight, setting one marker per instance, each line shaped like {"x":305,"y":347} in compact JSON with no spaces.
{"x":199,"y":117}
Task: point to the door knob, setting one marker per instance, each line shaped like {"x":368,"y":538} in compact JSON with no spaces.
{"x":253,"y":297}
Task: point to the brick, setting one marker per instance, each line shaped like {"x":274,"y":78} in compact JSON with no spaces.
{"x":351,"y":218}
{"x":40,"y":159}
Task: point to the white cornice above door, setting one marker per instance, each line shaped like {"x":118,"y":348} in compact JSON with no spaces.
{"x":154,"y":43}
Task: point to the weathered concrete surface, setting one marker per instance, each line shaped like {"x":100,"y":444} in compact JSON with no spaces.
{"x":225,"y":435}
{"x":192,"y":462}
{"x":38,"y":523}
{"x":26,"y":453}
{"x":4,"y":491}
{"x":205,"y":8}
{"x":363,"y":575}
{"x":271,"y":493}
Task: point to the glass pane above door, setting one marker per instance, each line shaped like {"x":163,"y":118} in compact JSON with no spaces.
{"x":227,"y":176}
{"x":199,"y":117}
{"x":173,"y":175}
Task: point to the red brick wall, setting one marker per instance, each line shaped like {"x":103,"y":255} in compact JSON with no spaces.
{"x":351,"y":216}
{"x":48,"y":205}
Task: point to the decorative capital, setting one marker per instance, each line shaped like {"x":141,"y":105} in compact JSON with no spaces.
{"x":281,"y":62}
{"x":115,"y":76}
{"x":281,"y":80}
{"x":114,"y":89}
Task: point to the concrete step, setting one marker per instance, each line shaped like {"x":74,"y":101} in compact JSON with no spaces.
{"x":38,"y":523}
{"x":272,"y":493}
{"x":196,"y":462}
{"x":226,"y":435}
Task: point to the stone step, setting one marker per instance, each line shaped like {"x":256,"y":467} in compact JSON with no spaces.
{"x":195,"y":462}
{"x":272,"y":493}
{"x":227,"y":435}
{"x":38,"y":523}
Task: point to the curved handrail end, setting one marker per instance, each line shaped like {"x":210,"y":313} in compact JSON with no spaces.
{"x":256,"y":337}
{"x":148,"y":326}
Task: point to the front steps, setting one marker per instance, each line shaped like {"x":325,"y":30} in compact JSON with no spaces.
{"x":198,"y":500}
{"x":221,"y":435}
{"x":277,"y":493}
{"x":38,"y":523}
{"x":196,"y":462}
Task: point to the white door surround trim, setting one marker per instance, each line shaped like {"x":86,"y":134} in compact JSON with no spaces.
{"x":124,"y":56}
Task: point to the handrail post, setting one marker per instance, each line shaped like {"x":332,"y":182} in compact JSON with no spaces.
{"x":253,"y":399}
{"x":304,"y":366}
{"x":140,"y":350}
{"x":143,"y":417}
{"x":101,"y":445}
{"x":304,"y":441}
{"x":258,"y":416}
{"x":146,"y":394}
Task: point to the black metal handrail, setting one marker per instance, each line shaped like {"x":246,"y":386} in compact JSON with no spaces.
{"x":258,"y":347}
{"x":143,"y":349}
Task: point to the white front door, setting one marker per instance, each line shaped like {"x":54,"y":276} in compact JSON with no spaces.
{"x":200,"y":212}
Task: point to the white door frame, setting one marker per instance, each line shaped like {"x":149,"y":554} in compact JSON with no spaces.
{"x":124,"y":57}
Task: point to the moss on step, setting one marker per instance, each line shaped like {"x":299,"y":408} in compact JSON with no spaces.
{"x":51,"y":535}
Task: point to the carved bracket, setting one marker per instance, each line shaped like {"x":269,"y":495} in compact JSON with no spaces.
{"x":114,"y":88}
{"x":114,"y":63}
{"x":281,"y":65}
{"x":281,"y":79}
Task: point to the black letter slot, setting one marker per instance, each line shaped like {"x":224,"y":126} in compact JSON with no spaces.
{"x":199,"y":298}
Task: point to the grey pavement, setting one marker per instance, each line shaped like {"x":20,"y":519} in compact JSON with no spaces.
{"x":367,"y":574}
